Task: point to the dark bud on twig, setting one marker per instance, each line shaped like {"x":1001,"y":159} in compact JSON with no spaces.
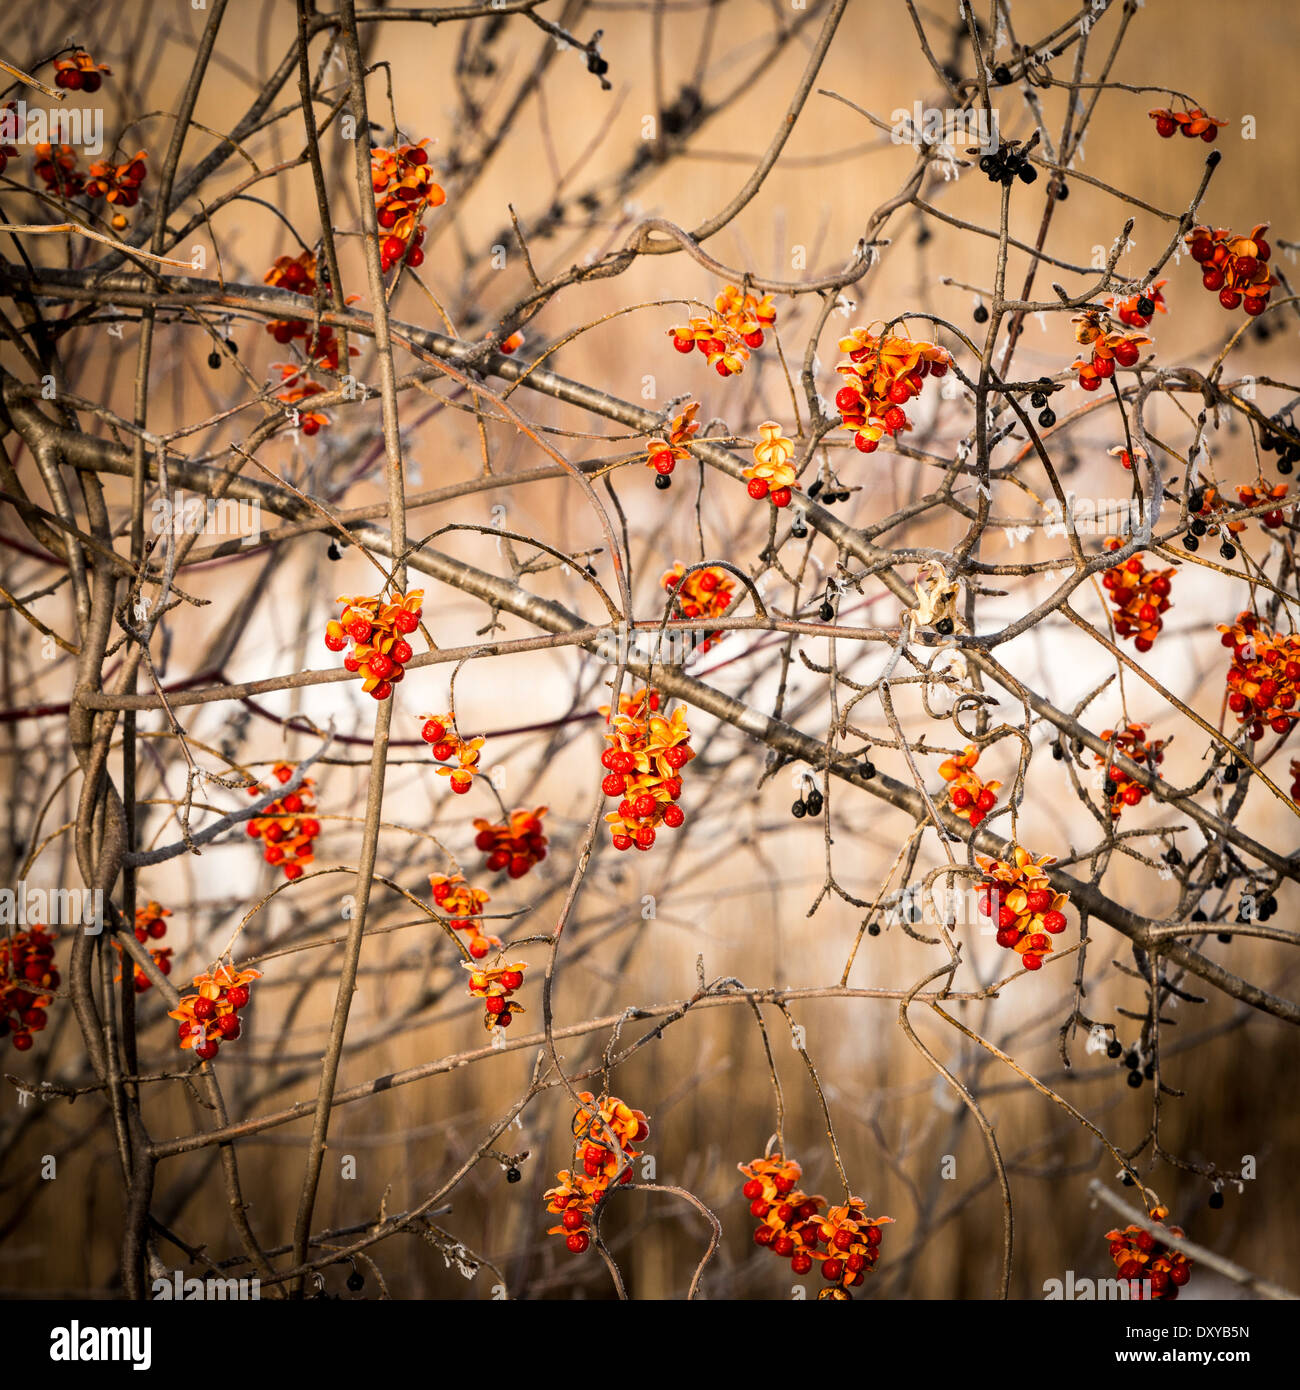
{"x":214,"y":359}
{"x":1135,"y":1079}
{"x":944,"y":627}
{"x":1002,"y":75}
{"x":356,"y":1281}
{"x":663,"y":482}
{"x":1114,"y":1048}
{"x":513,"y":1174}
{"x":1047,"y":418}
{"x":1216,"y":1199}
{"x":334,"y":552}
{"x":799,"y":810}
{"x":826,"y":613}
{"x":867,"y":771}
{"x":815,"y":803}
{"x":981,"y":314}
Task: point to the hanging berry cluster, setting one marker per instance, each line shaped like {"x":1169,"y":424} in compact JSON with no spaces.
{"x":1260,"y":493}
{"x":1189,"y":123}
{"x":1006,"y":164}
{"x":645,"y":756}
{"x":1020,"y":899}
{"x":439,"y":731}
{"x":1264,"y":678}
{"x":1137,"y":311}
{"x":56,"y":167}
{"x":787,"y":1217}
{"x":1235,"y":267}
{"x":494,"y":986}
{"x":288,"y":827}
{"x":27,"y":974}
{"x":79,"y":72}
{"x":404,"y":188}
{"x":1139,"y":595}
{"x":118,"y":184}
{"x":378,"y":631}
{"x":662,"y":454}
{"x":852,"y":1240}
{"x":729,"y":332}
{"x":464,"y":906}
{"x":772,"y":474}
{"x":704,"y":593}
{"x":514,"y":846}
{"x":970,"y":797}
{"x":881,"y":376}
{"x":1109,"y":346}
{"x":1138,"y":1255}
{"x":604,"y":1132}
{"x":1121,"y":790}
{"x":150,"y":926}
{"x":211,"y":1017}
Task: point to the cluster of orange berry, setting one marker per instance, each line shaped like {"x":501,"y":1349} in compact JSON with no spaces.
{"x":970,"y":797}
{"x":1018,"y":895}
{"x":1109,"y":347}
{"x":1191,"y":123}
{"x":727,"y":334}
{"x":211,"y":1017}
{"x":464,"y":906}
{"x":514,"y":846}
{"x":772,"y":474}
{"x":378,"y":631}
{"x":1234,"y":266}
{"x":1133,"y":742}
{"x":404,"y":187}
{"x":150,"y":926}
{"x":297,"y":274}
{"x":704,"y":593}
{"x":791,"y":1225}
{"x":298,"y":390}
{"x":1264,"y":678}
{"x":118,"y":184}
{"x":27,"y":974}
{"x":289,"y":825}
{"x":56,"y":167}
{"x":881,"y":376}
{"x":1139,"y":1256}
{"x":645,"y":756}
{"x":1139,"y":595}
{"x":662,"y":454}
{"x":439,"y":731}
{"x":1255,"y":495}
{"x":1137,"y":311}
{"x":494,"y":986}
{"x":604,"y":1132}
{"x":787,"y":1217}
{"x":79,"y":72}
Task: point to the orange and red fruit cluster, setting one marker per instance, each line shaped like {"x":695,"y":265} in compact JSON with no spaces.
{"x":211,"y":1017}
{"x":377,"y":629}
{"x":514,"y":846}
{"x":729,"y":332}
{"x":1133,"y":742}
{"x":881,"y":376}
{"x":704,"y":593}
{"x":970,"y":797}
{"x":1019,"y":897}
{"x":1139,"y":595}
{"x":1234,"y":267}
{"x":288,"y":826}
{"x":643,"y":764}
{"x":464,"y":906}
{"x":1139,"y":1256}
{"x":1264,"y":678}
{"x":605,"y":1131}
{"x":404,"y":187}
{"x":27,"y":974}
{"x":494,"y":986}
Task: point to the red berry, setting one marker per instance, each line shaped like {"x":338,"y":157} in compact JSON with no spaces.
{"x":359,"y":630}
{"x":961,"y":798}
{"x":237,"y":996}
{"x":757,"y":488}
{"x":1229,"y":298}
{"x":204,"y":1008}
{"x":382,"y":691}
{"x":1213,"y":278}
{"x":643,"y":806}
{"x":645,"y":837}
{"x":832,"y":1269}
{"x":622,"y":841}
{"x":401,"y":652}
{"x":865,"y":444}
{"x":207,"y":1049}
{"x":673,"y":817}
{"x":578,"y":1242}
{"x":432,"y":732}
{"x":1054,"y":921}
{"x":407,"y":620}
{"x":1127,"y":353}
{"x":519,"y":866}
{"x":614,"y":784}
{"x":780,"y":496}
{"x":228,"y":1025}
{"x":335,"y":644}
{"x":1165,"y":126}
